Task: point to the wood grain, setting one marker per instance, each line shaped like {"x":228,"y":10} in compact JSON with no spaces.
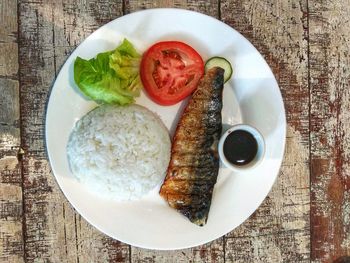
{"x":11,"y":212}
{"x":330,"y":126}
{"x":48,"y":32}
{"x":279,"y":230}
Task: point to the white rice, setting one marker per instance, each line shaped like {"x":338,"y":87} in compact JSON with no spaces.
{"x":119,"y":153}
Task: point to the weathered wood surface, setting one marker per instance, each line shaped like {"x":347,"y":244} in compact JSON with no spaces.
{"x":306,"y":44}
{"x":11,"y":213}
{"x":330,"y":130}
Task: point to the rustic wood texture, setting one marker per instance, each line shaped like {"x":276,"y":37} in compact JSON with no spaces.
{"x":11,"y":212}
{"x":306,"y":215}
{"x":330,"y":130}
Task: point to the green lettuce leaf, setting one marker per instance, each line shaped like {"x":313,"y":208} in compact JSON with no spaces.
{"x":126,"y":63}
{"x":111,"y":77}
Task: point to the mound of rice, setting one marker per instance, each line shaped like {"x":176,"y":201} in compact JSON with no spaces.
{"x":119,"y":153}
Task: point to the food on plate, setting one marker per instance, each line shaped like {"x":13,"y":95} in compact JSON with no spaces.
{"x":222,"y":63}
{"x":194,"y":163}
{"x":170,"y":71}
{"x":119,"y":153}
{"x":111,"y":77}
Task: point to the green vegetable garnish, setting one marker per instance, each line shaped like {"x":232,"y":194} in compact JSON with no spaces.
{"x":111,"y":77}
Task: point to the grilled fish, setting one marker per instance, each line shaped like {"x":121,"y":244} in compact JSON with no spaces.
{"x":194,"y":164}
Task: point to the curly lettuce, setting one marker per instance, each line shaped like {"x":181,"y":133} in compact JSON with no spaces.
{"x":111,"y":77}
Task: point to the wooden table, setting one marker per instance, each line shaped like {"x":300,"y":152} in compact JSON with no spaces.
{"x":306,"y":216}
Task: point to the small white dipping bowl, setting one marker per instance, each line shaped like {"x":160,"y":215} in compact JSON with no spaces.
{"x":260,"y":151}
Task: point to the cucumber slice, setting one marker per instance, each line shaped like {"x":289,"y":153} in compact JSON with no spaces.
{"x":222,"y":63}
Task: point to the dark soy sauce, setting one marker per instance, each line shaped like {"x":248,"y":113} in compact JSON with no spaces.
{"x":240,"y":147}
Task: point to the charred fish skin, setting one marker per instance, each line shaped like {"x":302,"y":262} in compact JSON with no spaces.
{"x":194,"y":164}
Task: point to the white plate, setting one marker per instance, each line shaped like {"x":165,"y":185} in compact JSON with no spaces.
{"x":251,"y":96}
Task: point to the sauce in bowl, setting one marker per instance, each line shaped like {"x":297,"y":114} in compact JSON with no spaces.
{"x":240,"y":147}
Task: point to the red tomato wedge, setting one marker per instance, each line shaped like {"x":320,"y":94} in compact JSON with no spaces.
{"x":170,"y":71}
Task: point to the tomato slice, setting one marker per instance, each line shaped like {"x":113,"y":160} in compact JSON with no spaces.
{"x":170,"y":71}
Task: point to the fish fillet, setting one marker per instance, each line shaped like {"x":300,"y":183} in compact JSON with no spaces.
{"x":194,"y":164}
